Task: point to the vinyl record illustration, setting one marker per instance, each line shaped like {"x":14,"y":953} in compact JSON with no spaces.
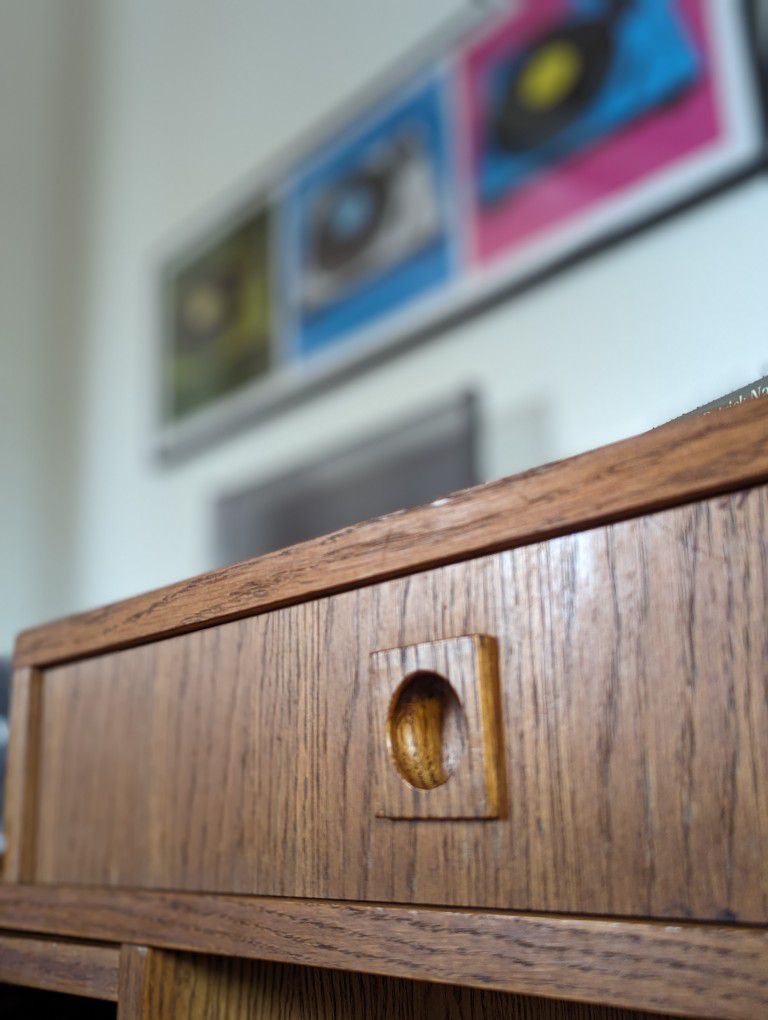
{"x":208,"y":305}
{"x":367,"y":226}
{"x":352,"y":215}
{"x":595,"y":70}
{"x":221,"y":316}
{"x":552,"y":83}
{"x":375,"y":216}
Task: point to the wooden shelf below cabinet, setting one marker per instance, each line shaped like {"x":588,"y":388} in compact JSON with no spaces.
{"x":677,"y":969}
{"x":59,"y":965}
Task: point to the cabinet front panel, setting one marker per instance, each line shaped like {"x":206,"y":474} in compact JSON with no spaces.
{"x":633,"y":677}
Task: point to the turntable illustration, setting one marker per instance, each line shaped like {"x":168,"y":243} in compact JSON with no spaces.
{"x":370,"y":228}
{"x":378,"y":215}
{"x":594,"y":71}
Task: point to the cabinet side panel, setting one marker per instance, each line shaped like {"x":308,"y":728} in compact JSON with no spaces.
{"x":21,"y":782}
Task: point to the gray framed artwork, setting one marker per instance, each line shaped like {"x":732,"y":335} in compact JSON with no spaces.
{"x":416,"y":461}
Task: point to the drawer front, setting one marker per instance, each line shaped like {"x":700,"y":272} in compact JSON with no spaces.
{"x":633,"y":712}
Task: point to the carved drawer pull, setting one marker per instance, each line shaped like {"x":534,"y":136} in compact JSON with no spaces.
{"x":438,"y":733}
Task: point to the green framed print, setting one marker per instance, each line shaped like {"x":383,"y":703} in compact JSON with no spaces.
{"x":219,"y":303}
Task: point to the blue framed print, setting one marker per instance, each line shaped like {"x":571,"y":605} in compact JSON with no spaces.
{"x":368,"y":224}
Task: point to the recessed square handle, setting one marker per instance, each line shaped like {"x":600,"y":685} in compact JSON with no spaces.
{"x":437,"y":730}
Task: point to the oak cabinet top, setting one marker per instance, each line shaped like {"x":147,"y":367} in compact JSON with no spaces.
{"x":683,"y":461}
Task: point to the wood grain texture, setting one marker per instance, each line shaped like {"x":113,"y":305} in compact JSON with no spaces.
{"x":470,"y":664}
{"x":684,"y":969}
{"x":182,"y":986}
{"x":160,"y":985}
{"x":633,"y":681}
{"x":76,"y":968}
{"x":134,"y":974}
{"x":680,"y":462}
{"x":21,"y":776}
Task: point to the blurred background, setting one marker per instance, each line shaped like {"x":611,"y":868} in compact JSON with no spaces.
{"x":124,"y":126}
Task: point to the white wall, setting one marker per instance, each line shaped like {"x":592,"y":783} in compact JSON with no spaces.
{"x":186,"y":100}
{"x":43,"y":59}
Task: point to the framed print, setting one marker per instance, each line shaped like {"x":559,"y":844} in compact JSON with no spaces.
{"x":221,"y":322}
{"x":585,"y":117}
{"x":369,"y":224}
{"x":410,"y":463}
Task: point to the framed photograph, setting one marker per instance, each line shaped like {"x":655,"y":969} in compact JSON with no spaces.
{"x":529,"y":135}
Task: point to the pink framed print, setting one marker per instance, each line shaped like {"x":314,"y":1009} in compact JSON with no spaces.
{"x":583,"y":118}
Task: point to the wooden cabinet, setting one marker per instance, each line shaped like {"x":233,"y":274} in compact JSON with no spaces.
{"x":242,"y":758}
{"x":438,"y":746}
